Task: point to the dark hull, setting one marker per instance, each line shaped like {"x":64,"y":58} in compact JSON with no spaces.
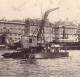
{"x":50,"y":55}
{"x":38,"y":55}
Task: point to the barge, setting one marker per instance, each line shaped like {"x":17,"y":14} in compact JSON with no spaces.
{"x":37,"y":53}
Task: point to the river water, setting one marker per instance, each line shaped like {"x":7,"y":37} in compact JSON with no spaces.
{"x":59,"y":67}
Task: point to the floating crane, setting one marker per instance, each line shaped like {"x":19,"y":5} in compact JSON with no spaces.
{"x":40,"y":35}
{"x":37,"y":47}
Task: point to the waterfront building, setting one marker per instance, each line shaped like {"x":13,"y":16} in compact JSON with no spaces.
{"x":13,"y":29}
{"x":62,"y":31}
{"x":58,"y":30}
{"x":69,"y":32}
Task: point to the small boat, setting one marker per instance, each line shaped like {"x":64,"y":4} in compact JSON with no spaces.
{"x":50,"y":55}
{"x":44,"y":54}
{"x":54,"y":52}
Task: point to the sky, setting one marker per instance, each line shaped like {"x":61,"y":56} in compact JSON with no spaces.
{"x":21,"y":9}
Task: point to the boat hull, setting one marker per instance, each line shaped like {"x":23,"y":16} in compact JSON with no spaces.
{"x":47,"y":55}
{"x":41,"y":55}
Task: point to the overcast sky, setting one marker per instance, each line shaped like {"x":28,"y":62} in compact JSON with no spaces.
{"x":21,"y":9}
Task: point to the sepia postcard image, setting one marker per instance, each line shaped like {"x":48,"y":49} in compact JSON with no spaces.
{"x":39,"y":38}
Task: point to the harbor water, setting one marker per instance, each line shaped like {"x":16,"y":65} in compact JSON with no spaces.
{"x":59,"y":67}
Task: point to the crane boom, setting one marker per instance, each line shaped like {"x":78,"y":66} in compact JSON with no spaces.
{"x":41,"y":28}
{"x":48,"y":11}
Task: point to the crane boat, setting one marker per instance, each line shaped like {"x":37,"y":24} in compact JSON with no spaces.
{"x":37,"y":47}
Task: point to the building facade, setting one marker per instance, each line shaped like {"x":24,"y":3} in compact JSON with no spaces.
{"x":59,"y":30}
{"x":13,"y":30}
{"x":62,"y":31}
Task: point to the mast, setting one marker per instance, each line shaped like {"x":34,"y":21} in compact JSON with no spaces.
{"x":40,"y":35}
{"x":64,"y":33}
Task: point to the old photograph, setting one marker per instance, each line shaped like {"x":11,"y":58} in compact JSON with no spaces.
{"x":39,"y":38}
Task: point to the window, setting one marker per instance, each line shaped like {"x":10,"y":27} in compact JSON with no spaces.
{"x":4,"y":27}
{"x":30,"y":40}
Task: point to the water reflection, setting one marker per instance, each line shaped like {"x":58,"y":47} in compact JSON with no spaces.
{"x":28,"y":61}
{"x":59,"y":67}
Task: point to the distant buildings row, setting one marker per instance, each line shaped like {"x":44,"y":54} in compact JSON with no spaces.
{"x":16,"y":29}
